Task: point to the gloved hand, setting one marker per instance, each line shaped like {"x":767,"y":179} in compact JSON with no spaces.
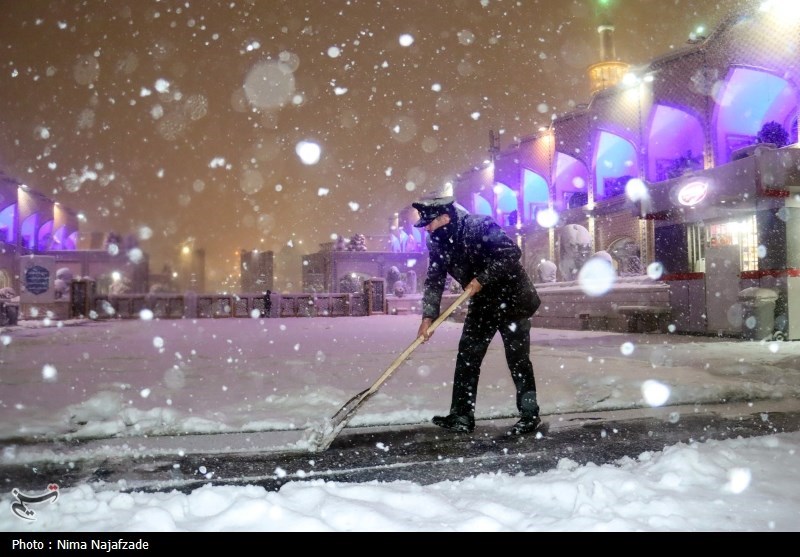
{"x":474,"y":287}
{"x":423,"y":329}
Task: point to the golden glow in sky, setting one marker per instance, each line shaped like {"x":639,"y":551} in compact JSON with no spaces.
{"x":279,"y":124}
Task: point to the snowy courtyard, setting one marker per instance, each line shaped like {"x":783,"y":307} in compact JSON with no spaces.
{"x":121,"y":386}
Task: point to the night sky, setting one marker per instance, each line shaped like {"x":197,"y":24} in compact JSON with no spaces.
{"x":178,"y":121}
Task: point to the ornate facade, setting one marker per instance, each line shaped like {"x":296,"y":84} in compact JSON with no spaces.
{"x":671,"y":169}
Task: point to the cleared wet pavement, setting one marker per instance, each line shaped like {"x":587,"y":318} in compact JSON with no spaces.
{"x":421,"y":453}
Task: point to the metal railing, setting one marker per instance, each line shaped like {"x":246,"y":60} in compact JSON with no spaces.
{"x":189,"y":305}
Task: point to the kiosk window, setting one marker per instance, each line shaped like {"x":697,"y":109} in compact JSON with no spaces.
{"x":728,"y":233}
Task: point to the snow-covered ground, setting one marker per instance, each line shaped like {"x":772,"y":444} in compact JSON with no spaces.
{"x":126,"y":384}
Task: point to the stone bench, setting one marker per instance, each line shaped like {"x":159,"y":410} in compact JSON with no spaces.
{"x":645,"y":319}
{"x":9,"y":313}
{"x":593,"y":320}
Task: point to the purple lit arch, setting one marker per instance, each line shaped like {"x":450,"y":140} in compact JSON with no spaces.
{"x":570,"y":177}
{"x":28,"y":231}
{"x":7,"y":217}
{"x":505,"y":204}
{"x":615,"y":162}
{"x":46,"y":236}
{"x":480,"y":206}
{"x":535,"y":193}
{"x":675,"y":143}
{"x":748,"y":99}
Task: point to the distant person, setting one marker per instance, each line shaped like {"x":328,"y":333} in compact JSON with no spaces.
{"x":485,"y":261}
{"x":412,"y":246}
{"x":267,"y":304}
{"x":394,"y":243}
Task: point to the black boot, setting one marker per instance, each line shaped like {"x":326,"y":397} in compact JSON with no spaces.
{"x":456,"y":422}
{"x":526,"y":424}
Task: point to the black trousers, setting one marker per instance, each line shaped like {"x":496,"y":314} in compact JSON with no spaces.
{"x":480,"y":327}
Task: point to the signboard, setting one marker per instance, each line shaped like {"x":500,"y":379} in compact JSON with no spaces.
{"x":693,"y":193}
{"x":37,"y":277}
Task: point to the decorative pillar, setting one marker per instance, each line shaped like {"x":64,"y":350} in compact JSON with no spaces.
{"x":645,"y":241}
{"x":792,"y":209}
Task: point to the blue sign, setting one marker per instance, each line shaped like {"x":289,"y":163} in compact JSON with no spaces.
{"x":37,"y":279}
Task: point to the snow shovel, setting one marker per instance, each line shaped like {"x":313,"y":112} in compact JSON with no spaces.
{"x":321,"y":437}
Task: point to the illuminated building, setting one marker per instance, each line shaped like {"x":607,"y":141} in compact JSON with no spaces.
{"x":668,"y":167}
{"x":256,"y":270}
{"x":33,"y":224}
{"x":192,"y":270}
{"x":609,"y":71}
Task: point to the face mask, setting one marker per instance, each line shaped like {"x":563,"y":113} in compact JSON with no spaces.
{"x":444,"y":233}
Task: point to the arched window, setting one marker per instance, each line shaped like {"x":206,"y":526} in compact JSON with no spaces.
{"x":506,"y":204}
{"x":615,"y":164}
{"x":71,"y":242}
{"x":675,"y":144}
{"x":749,"y":99}
{"x":535,"y":193}
{"x":480,"y":206}
{"x":46,"y":236}
{"x":571,"y":179}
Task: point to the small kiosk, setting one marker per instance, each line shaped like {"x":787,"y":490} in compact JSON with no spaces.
{"x":721,"y":231}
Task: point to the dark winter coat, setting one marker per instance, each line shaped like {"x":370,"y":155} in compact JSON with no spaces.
{"x":474,"y":246}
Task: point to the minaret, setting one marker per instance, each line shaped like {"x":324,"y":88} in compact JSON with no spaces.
{"x":494,"y":146}
{"x":609,"y":71}
{"x":607,"y":50}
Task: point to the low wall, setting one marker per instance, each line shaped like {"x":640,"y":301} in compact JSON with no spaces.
{"x":190,"y":305}
{"x":58,"y":310}
{"x":177,"y":306}
{"x":412,"y":303}
{"x":632,"y":304}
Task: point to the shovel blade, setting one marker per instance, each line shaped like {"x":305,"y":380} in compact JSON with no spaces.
{"x":321,"y":437}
